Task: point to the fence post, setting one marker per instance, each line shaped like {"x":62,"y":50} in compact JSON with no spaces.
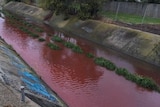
{"x":117,"y":11}
{"x":144,"y":15}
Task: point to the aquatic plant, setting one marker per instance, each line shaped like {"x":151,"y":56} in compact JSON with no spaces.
{"x":69,"y":44}
{"x":38,"y":29}
{"x":41,"y":39}
{"x":53,"y":46}
{"x":57,"y":38}
{"x":105,"y":63}
{"x":33,"y":35}
{"x":89,"y":55}
{"x":77,"y":49}
{"x":144,"y":82}
{"x":74,"y":47}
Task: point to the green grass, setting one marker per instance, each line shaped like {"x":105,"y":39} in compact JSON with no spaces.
{"x":105,"y":63}
{"x":53,"y":46}
{"x":57,"y":39}
{"x":130,"y":18}
{"x":139,"y":80}
{"x":89,"y":55}
{"x":74,"y":47}
{"x":41,"y":39}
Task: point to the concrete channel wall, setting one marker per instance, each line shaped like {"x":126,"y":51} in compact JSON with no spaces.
{"x":142,"y":45}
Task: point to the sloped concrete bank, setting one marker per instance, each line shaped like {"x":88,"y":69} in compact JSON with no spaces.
{"x":14,"y":73}
{"x":142,"y":45}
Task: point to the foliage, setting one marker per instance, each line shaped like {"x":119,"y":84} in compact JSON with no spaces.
{"x":74,"y":47}
{"x":90,"y":55}
{"x":83,"y":8}
{"x":139,"y":80}
{"x":77,"y":49}
{"x":105,"y":63}
{"x":53,"y":46}
{"x":69,"y":44}
{"x":38,"y":29}
{"x":57,"y":39}
{"x":41,"y":39}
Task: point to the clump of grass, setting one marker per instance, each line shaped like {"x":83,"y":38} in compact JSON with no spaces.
{"x":33,"y":35}
{"x":90,"y":55}
{"x":38,"y":29}
{"x":144,"y":82}
{"x":77,"y":49}
{"x":41,"y":39}
{"x":57,"y":39}
{"x":105,"y":63}
{"x":74,"y":47}
{"x":69,"y":44}
{"x":53,"y":46}
{"x":49,"y":35}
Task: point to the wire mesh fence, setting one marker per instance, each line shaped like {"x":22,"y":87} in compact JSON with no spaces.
{"x":133,"y":13}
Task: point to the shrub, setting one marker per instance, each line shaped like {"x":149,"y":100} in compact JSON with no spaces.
{"x":53,"y":46}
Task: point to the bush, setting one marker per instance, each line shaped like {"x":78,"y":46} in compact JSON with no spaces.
{"x":53,"y":46}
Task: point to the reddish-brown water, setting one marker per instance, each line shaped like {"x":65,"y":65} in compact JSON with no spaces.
{"x":76,"y":79}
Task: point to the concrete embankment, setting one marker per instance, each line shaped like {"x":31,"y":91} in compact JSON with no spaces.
{"x":142,"y":45}
{"x":14,"y":73}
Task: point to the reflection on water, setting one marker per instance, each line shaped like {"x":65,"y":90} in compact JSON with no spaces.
{"x":76,"y":79}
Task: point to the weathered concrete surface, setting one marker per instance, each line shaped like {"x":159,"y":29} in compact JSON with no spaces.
{"x":14,"y":72}
{"x":27,"y":11}
{"x":141,"y":45}
{"x":8,"y":75}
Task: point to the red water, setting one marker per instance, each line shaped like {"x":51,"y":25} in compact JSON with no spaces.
{"x":76,"y":79}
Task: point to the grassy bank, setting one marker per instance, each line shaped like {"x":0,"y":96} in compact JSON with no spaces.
{"x":130,"y":18}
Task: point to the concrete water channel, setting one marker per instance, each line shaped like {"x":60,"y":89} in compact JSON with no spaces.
{"x":75,"y":78}
{"x":14,"y":74}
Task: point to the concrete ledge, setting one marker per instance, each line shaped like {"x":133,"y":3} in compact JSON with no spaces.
{"x":27,"y":11}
